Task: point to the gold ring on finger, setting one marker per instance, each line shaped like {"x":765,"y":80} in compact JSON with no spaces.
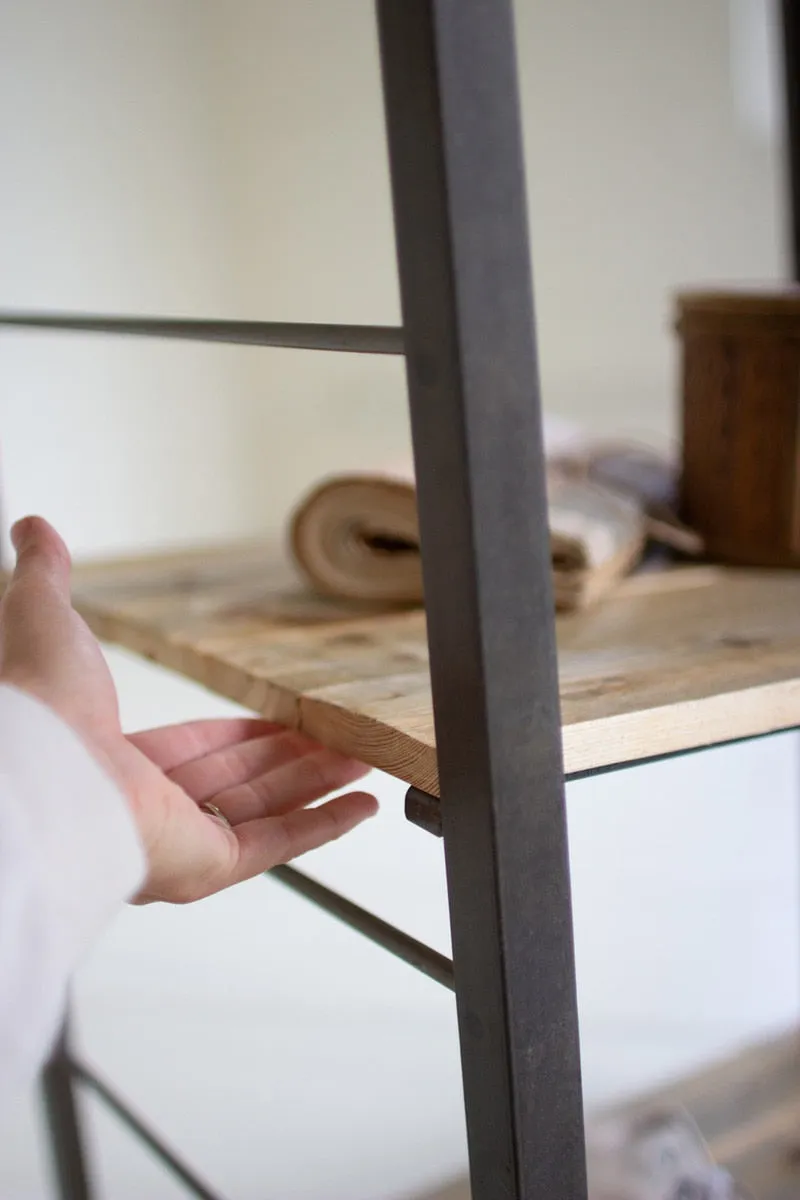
{"x":217,"y":814}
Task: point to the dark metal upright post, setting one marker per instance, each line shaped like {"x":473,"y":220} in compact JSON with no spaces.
{"x":455,"y":150}
{"x":791,"y":59}
{"x":66,"y":1142}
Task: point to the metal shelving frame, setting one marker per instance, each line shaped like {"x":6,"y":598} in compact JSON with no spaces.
{"x":468,"y":335}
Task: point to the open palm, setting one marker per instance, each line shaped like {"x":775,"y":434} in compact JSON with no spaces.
{"x":259,"y":777}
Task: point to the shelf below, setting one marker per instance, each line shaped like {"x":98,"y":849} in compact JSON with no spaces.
{"x":749,"y":1111}
{"x":672,"y":661}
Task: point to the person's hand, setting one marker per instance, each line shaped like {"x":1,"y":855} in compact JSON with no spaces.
{"x":259,"y":777}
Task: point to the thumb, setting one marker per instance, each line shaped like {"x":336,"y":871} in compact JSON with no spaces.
{"x":42,"y":556}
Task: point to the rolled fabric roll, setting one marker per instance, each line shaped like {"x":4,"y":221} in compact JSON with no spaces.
{"x":356,"y":536}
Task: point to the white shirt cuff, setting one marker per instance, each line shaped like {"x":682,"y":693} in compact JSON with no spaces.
{"x":86,"y":843}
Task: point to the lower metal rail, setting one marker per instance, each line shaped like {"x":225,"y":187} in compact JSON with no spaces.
{"x":145,"y":1134}
{"x":402,"y":945}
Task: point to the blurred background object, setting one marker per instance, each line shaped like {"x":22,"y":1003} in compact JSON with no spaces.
{"x":740,"y":482}
{"x":194,"y":158}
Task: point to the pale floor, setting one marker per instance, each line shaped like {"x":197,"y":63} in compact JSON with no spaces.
{"x":289,"y":1060}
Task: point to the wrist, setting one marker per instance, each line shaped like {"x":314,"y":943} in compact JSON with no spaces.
{"x":103,"y":751}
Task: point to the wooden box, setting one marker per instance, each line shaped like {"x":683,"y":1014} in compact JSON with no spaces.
{"x":740,"y":483}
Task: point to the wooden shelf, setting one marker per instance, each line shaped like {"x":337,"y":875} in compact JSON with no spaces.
{"x":748,"y":1108}
{"x":673,"y":661}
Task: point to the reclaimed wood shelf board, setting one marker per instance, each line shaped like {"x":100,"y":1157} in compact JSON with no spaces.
{"x":748,"y":1109}
{"x":673,"y":660}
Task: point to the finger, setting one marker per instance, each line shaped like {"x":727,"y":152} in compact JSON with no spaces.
{"x":41,"y":555}
{"x":37,"y":628}
{"x":207,"y":777}
{"x":266,"y":843}
{"x":172,"y":746}
{"x":299,"y":781}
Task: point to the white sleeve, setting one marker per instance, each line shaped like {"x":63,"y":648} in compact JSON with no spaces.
{"x":69,"y":857}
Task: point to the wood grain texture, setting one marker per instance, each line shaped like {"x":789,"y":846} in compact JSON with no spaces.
{"x":740,"y":480}
{"x":748,"y":1108}
{"x":672,"y":661}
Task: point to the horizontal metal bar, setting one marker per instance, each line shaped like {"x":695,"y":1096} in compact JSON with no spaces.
{"x":424,"y":810}
{"x":361,"y":339}
{"x":689,"y":752}
{"x":142,"y":1131}
{"x":415,"y":953}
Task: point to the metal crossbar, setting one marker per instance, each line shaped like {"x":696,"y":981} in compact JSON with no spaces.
{"x":402,"y":945}
{"x":65,"y":1067}
{"x":112,"y":1100}
{"x":357,"y":339}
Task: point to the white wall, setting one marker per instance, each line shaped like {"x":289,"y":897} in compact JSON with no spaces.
{"x":111,"y":200}
{"x":643,"y":175}
{"x":649,"y":180}
{"x":187,"y":157}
